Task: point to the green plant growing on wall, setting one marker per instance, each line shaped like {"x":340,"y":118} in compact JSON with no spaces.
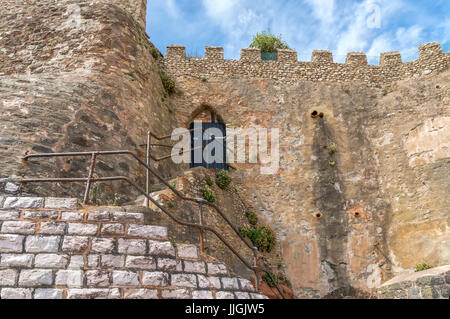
{"x":223,"y":179}
{"x":262,"y":237}
{"x":209,"y":181}
{"x":154,"y":52}
{"x":267,"y":42}
{"x":94,"y":195}
{"x":422,"y":267}
{"x":204,"y":79}
{"x":208,"y":195}
{"x":252,"y":218}
{"x":268,"y":279}
{"x":331,"y":149}
{"x":332,"y":163}
{"x":168,"y":83}
{"x":170,"y":205}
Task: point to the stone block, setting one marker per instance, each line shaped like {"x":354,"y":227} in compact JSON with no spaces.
{"x":224,"y":295}
{"x":48,"y":293}
{"x":51,"y":261}
{"x":82,"y":229}
{"x":93,"y":260}
{"x":175,"y":294}
{"x":8,"y":278}
{"x":11,"y":243}
{"x":230,"y":283}
{"x":16,"y":260}
{"x":186,"y":251}
{"x":132,"y":246}
{"x":159,"y":248}
{"x":217,"y":269}
{"x":9,"y":215}
{"x":195,"y":267}
{"x":140,"y":262}
{"x":61,"y":203}
{"x":35,"y":277}
{"x":246,"y":285}
{"x":140,"y":294}
{"x":75,"y":244}
{"x":23,"y":202}
{"x":42,"y":214}
{"x":242,"y":295}
{"x":112,"y":261}
{"x":209,"y":282}
{"x":42,"y":244}
{"x":99,"y":216}
{"x":258,"y":296}
{"x":184,"y":280}
{"x":125,"y":217}
{"x":155,"y":279}
{"x":16,"y":293}
{"x":112,"y":229}
{"x":97,"y":278}
{"x":202,"y":294}
{"x":125,"y":278}
{"x":18,"y":227}
{"x":72,"y":216}
{"x":146,"y":231}
{"x":167,"y":264}
{"x":93,"y":293}
{"x":103,"y":245}
{"x":70,"y":278}
{"x":76,"y":262}
{"x":52,"y":228}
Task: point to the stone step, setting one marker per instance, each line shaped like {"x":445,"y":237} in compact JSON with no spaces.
{"x":51,"y":249}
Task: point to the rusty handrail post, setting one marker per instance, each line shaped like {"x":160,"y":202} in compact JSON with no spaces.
{"x":147,"y":177}
{"x":255,"y":265}
{"x":202,"y":233}
{"x":90,"y":175}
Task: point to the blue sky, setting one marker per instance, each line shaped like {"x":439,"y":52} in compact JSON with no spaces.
{"x":340,"y":26}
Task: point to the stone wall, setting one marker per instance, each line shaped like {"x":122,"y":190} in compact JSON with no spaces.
{"x":430,"y":284}
{"x":52,"y":249}
{"x":77,"y":76}
{"x":321,"y":68}
{"x":384,"y":205}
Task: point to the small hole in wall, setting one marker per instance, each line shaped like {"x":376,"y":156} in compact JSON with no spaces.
{"x":438,"y":86}
{"x":357,"y":214}
{"x":321,"y":115}
{"x":314,"y":114}
{"x":318,"y":215}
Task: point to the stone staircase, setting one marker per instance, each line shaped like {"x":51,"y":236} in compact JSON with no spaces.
{"x":51,"y":248}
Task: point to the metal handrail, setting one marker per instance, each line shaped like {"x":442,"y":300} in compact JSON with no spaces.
{"x":199,"y":201}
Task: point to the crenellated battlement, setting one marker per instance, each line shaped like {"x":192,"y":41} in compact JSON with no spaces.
{"x":321,"y":67}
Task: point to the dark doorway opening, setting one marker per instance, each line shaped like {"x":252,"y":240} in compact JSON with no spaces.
{"x":206,"y":139}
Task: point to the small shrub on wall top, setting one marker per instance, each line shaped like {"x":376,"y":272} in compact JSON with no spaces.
{"x":268,"y":279}
{"x":268,"y":42}
{"x":223,"y":179}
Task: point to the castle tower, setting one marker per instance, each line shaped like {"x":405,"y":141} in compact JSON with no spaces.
{"x":138,"y":8}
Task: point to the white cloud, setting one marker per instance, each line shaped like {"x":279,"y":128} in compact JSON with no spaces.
{"x":323,"y":10}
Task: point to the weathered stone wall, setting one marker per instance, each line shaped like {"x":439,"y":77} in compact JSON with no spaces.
{"x":429,"y":284}
{"x":51,"y":249}
{"x":379,"y":214}
{"x":77,"y":76}
{"x":287,"y":69}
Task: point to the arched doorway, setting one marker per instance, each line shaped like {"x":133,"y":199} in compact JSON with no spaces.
{"x":208,"y":140}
